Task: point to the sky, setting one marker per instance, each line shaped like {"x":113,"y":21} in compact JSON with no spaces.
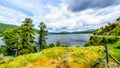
{"x":61,"y":15}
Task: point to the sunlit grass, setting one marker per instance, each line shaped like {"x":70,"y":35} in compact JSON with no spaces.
{"x":114,"y":50}
{"x":74,"y":57}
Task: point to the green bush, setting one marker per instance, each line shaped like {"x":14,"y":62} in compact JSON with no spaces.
{"x":77,"y":45}
{"x":51,"y":45}
{"x":57,"y":43}
{"x":64,"y":45}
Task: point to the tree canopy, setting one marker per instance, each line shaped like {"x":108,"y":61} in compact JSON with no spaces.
{"x":20,"y":40}
{"x":42,"y":33}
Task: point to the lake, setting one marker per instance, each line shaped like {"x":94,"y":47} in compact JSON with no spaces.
{"x":69,"y":39}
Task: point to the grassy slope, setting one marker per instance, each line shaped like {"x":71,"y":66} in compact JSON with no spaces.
{"x":114,"y":50}
{"x":112,"y":29}
{"x":4,"y":27}
{"x":109,"y":29}
{"x":60,"y":56}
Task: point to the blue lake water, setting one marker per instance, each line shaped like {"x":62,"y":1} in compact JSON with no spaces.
{"x":69,"y":39}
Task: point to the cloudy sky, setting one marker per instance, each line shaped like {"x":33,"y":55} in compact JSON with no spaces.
{"x":61,"y":15}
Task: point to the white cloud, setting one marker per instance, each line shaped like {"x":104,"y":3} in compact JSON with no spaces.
{"x":14,"y":11}
{"x":87,"y":19}
{"x":59,"y":17}
{"x":11,"y":16}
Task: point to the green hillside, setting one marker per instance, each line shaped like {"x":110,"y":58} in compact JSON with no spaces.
{"x":111,"y":32}
{"x":110,"y":29}
{"x":4,"y":27}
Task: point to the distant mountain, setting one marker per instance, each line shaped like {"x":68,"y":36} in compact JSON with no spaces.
{"x":75,"y":32}
{"x":63,"y":32}
{"x":83,"y":32}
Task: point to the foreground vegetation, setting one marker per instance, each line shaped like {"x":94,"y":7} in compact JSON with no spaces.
{"x":63,"y":57}
{"x":57,"y":57}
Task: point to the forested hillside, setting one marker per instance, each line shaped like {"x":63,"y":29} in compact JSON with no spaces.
{"x":4,"y":27}
{"x":111,"y":31}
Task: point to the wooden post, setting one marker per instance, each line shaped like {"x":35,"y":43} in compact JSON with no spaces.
{"x":114,"y":59}
{"x":98,"y":62}
{"x":107,"y":55}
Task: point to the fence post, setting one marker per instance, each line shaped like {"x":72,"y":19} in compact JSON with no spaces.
{"x":107,"y":55}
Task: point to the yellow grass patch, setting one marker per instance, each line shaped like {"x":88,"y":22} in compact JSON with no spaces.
{"x":58,"y":57}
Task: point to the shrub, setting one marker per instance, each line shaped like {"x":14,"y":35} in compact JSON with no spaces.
{"x":64,"y":45}
{"x":77,"y":45}
{"x":51,"y":45}
{"x":57,"y":43}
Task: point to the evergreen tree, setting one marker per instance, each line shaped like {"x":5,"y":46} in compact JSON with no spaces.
{"x":27,"y":36}
{"x":42,"y":33}
{"x":20,"y":40}
{"x":11,"y":39}
{"x":27,"y":32}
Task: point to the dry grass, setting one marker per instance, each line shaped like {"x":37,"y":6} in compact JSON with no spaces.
{"x":60,"y":57}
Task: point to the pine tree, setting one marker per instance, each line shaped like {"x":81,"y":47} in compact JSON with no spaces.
{"x":20,"y":40}
{"x":27,"y":32}
{"x":42,"y":33}
{"x":27,"y":36}
{"x":11,"y":39}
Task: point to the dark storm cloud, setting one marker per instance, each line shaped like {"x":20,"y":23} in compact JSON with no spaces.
{"x":77,"y":5}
